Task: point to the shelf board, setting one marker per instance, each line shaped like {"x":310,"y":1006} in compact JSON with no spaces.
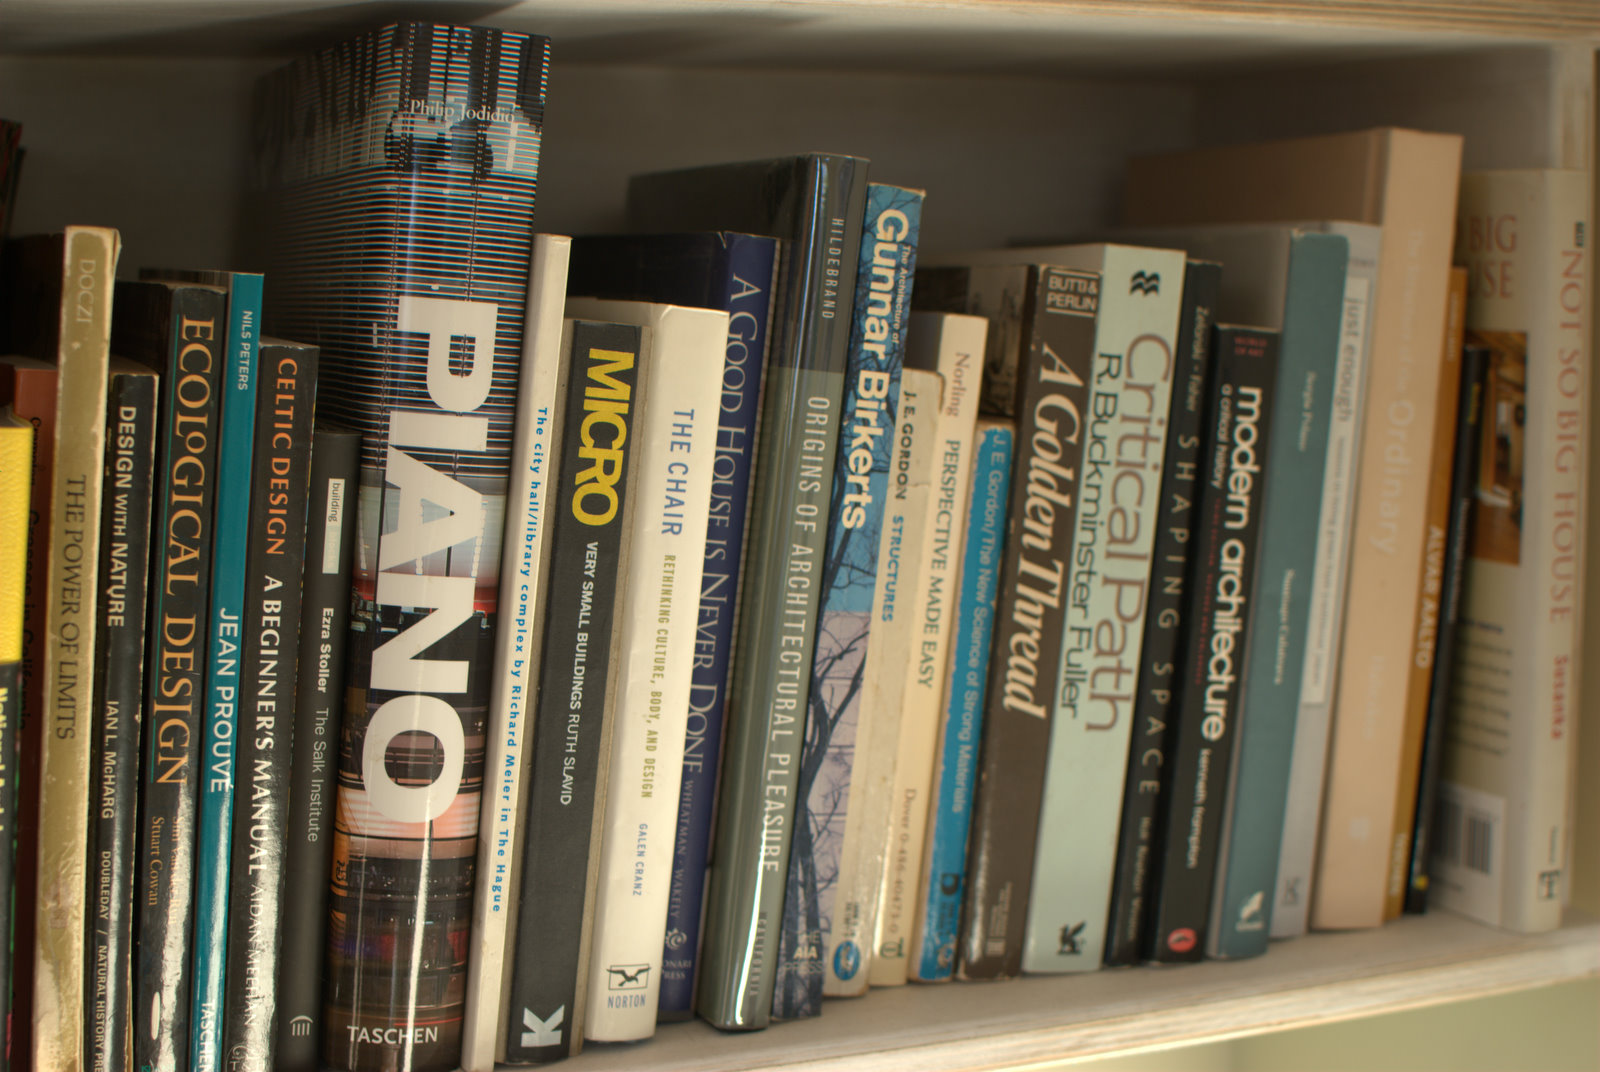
{"x":1417,"y":961}
{"x":1013,"y":36}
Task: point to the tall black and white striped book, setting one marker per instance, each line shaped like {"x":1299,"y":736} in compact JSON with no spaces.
{"x":657,"y":616}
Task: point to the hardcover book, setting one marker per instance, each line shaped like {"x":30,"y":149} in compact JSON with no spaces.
{"x":1325,"y":617}
{"x":179,"y":330}
{"x":849,"y":950}
{"x":1294,"y":282}
{"x":1106,"y":586}
{"x":1406,"y":182}
{"x":16,"y":480}
{"x":816,"y":203}
{"x":944,"y":865}
{"x":1463,"y":499}
{"x":1501,"y":840}
{"x":738,"y":273}
{"x":524,"y":570}
{"x":1430,"y":594}
{"x":1235,"y":469}
{"x":59,"y":310}
{"x":269,"y":643}
{"x":125,"y":541}
{"x":951,"y":344}
{"x":1049,"y":314}
{"x":564,"y":790}
{"x":824,"y":858}
{"x":28,"y":387}
{"x":396,"y":174}
{"x":324,"y":617}
{"x":676,"y":431}
{"x":1133,"y":877}
{"x":229,"y":537}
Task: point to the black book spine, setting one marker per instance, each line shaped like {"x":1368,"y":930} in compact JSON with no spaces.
{"x":269,"y":644}
{"x":131,"y":413}
{"x":324,"y":617}
{"x":1054,"y":377}
{"x":1220,"y":609}
{"x":564,"y":797}
{"x":191,"y":360}
{"x":1463,"y":493}
{"x":1163,"y":629}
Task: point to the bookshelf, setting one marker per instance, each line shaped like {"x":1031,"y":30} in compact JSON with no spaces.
{"x":1017,"y":116}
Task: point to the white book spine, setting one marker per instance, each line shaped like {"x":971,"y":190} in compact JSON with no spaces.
{"x":954,"y":344}
{"x":1324,"y":625}
{"x":1501,"y":842}
{"x":522,"y":565}
{"x":849,"y":951}
{"x":1118,"y":495}
{"x":659,"y":612}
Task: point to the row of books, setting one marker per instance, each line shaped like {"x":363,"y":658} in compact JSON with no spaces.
{"x":1097,"y":611}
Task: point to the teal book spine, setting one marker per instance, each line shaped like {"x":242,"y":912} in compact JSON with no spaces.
{"x":884,"y":272}
{"x":234,"y":452}
{"x":944,"y":883}
{"x":1252,"y":826}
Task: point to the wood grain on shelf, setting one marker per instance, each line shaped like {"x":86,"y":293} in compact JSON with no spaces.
{"x":1415,"y":962}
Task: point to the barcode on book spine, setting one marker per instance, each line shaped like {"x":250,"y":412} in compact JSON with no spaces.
{"x":1467,"y":836}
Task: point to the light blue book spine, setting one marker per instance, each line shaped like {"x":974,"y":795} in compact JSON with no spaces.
{"x":214,"y":840}
{"x":1253,"y":817}
{"x":945,"y":871}
{"x":887,"y":264}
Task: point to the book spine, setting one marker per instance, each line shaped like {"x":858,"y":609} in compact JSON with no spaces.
{"x":269,"y":644}
{"x":1429,"y":596}
{"x":229,"y":536}
{"x":72,"y":599}
{"x":175,"y":678}
{"x":420,"y":319}
{"x":659,"y":614}
{"x":1220,"y":612}
{"x":565,"y":787}
{"x":769,"y":690}
{"x":522,"y":584}
{"x":1054,"y":373}
{"x":1463,"y":494}
{"x":1103,"y":628}
{"x":1502,"y":842}
{"x":16,"y":477}
{"x":1132,"y":878}
{"x":1252,"y":824}
{"x":131,"y":413}
{"x":324,"y":616}
{"x":849,"y":950}
{"x":954,"y":344}
{"x":821,"y":857}
{"x":944,"y":868}
{"x":1325,"y":621}
{"x":751,"y":281}
{"x":33,"y":398}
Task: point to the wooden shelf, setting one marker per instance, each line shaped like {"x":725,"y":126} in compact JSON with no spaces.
{"x":1012,"y":36}
{"x":1415,"y":962}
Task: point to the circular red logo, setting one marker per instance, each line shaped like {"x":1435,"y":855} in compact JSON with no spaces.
{"x":1181,"y":940}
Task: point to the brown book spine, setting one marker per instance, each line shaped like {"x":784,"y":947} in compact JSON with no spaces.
{"x":1430,"y":594}
{"x":1055,"y":371}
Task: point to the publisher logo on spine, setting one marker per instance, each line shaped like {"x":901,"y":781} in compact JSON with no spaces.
{"x":1181,"y":940}
{"x":628,"y":977}
{"x":846,"y":960}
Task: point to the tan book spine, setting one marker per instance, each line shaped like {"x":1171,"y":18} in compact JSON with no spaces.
{"x":1417,"y":176}
{"x":89,"y":265}
{"x":1429,"y":593}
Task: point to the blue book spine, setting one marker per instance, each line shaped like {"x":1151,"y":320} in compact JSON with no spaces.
{"x":214,"y":839}
{"x":750,"y":274}
{"x":946,"y":867}
{"x":886,"y":266}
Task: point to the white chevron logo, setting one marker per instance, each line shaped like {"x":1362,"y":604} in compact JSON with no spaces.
{"x":542,"y":1032}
